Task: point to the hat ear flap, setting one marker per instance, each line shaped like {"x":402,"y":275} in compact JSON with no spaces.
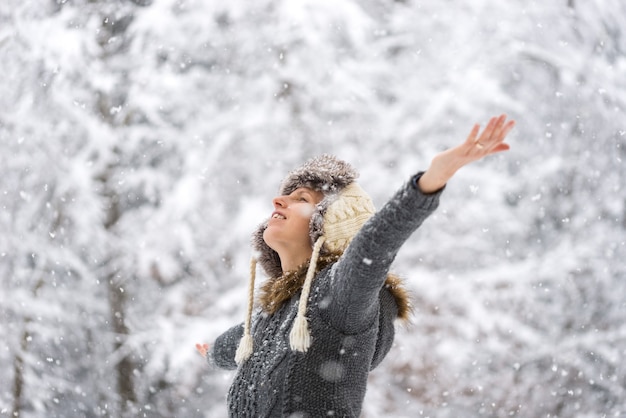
{"x":267,"y":258}
{"x":345,"y":216}
{"x":316,"y":224}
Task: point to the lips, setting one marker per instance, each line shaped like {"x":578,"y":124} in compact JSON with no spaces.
{"x":278,"y":215}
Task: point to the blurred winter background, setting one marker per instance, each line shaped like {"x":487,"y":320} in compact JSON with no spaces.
{"x":142,"y":142}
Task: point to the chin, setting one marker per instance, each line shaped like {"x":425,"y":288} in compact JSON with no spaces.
{"x":267,"y":238}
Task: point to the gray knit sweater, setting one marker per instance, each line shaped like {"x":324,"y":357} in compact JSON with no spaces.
{"x":350,"y":316}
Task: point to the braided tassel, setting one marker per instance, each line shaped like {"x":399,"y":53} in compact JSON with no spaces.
{"x":246,"y":345}
{"x":300,"y":336}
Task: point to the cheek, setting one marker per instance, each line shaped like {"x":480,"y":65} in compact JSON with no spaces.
{"x":305,"y":211}
{"x":304,"y":218}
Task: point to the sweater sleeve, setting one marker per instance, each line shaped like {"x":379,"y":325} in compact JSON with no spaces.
{"x":360,"y":273}
{"x":222,"y":353}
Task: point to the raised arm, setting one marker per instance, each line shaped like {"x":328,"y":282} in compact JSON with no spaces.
{"x":360,"y":273}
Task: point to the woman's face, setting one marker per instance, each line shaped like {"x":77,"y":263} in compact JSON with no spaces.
{"x":288,"y":227}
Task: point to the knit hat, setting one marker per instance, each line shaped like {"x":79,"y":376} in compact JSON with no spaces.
{"x":337,"y":218}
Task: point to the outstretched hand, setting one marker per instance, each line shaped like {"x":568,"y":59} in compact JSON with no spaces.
{"x":477,"y":146}
{"x":203,"y":349}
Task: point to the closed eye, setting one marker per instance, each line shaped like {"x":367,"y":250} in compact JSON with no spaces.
{"x":302,"y":197}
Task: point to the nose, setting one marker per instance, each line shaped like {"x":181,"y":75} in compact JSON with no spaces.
{"x":279,"y":202}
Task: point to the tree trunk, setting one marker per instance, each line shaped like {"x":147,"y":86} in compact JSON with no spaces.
{"x":117,"y":308}
{"x":125,"y":367}
{"x":18,"y":365}
{"x":18,"y":374}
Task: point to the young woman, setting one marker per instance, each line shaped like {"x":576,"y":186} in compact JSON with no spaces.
{"x":327,"y":310}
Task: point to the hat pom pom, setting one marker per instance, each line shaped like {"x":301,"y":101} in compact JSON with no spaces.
{"x":300,"y":337}
{"x":244,"y":351}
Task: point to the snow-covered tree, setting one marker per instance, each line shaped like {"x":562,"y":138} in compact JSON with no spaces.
{"x":142,"y":142}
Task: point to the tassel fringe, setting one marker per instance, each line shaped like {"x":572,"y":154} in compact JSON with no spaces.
{"x":244,"y":350}
{"x":300,"y":336}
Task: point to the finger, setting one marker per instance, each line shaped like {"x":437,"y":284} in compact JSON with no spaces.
{"x":501,"y":120}
{"x":503,"y":126}
{"x":500,"y":135}
{"x":506,"y":129}
{"x":491,"y":126}
{"x":482,"y":139}
{"x":499,"y":148}
{"x":494,"y":126}
{"x":471,"y":138}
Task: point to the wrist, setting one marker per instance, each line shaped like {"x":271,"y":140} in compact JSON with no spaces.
{"x":429,"y":183}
